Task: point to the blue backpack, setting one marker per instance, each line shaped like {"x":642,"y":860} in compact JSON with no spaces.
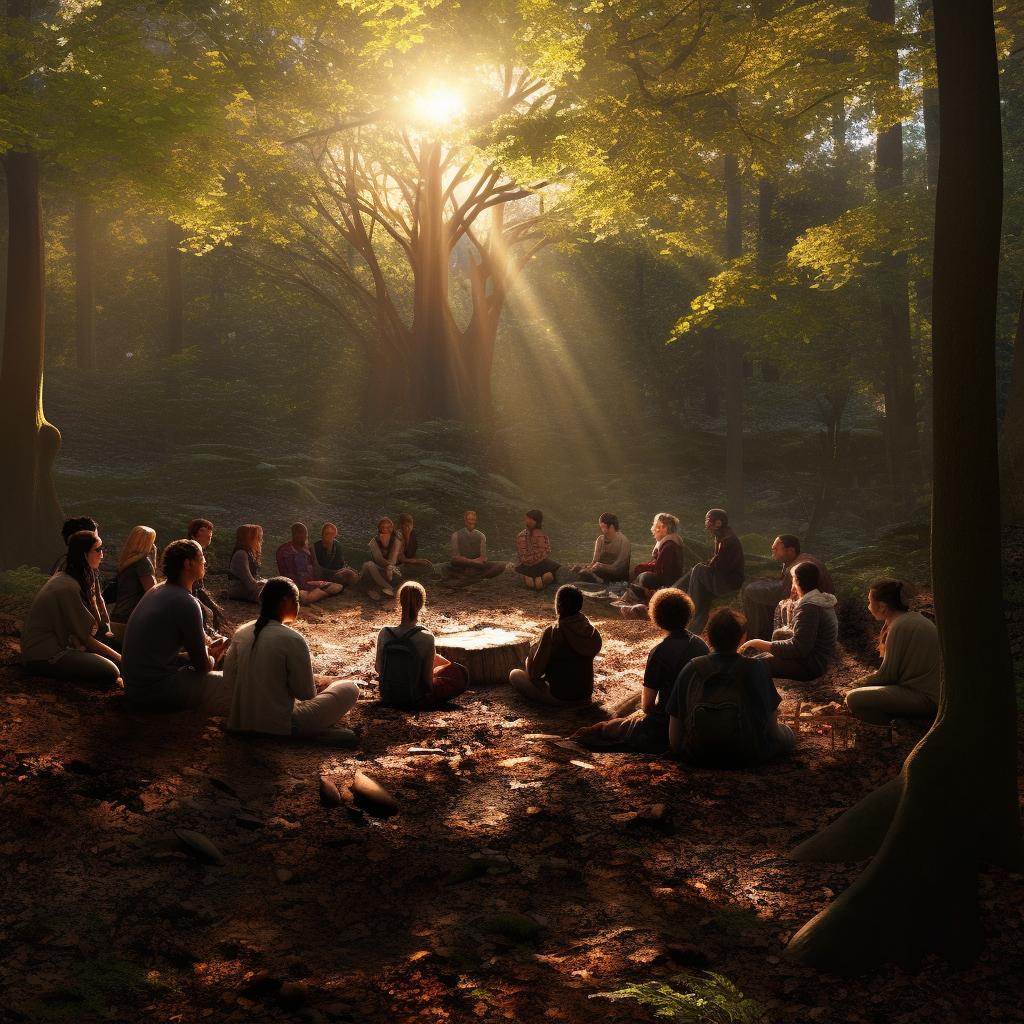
{"x":401,"y":676}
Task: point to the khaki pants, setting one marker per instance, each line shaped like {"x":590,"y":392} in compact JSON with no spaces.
{"x":879,"y":705}
{"x":311,"y":717}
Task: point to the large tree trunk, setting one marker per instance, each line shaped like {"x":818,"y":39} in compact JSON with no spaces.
{"x":734,"y":353}
{"x":30,"y":514}
{"x":441,"y":386}
{"x":1011,"y":439}
{"x":955,"y":803}
{"x":85,"y":289}
{"x":930,"y":97}
{"x":906,"y":470}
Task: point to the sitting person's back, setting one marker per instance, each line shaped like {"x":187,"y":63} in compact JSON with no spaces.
{"x":560,"y":667}
{"x":433,"y":678}
{"x":804,"y":650}
{"x":723,"y":711}
{"x":136,"y":574}
{"x":270,"y":673}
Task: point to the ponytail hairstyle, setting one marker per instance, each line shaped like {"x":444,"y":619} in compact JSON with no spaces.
{"x":79,"y":546}
{"x":895,"y":594}
{"x":411,"y":597}
{"x":274,"y":592}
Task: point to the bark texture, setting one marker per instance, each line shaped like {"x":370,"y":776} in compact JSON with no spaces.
{"x":30,"y":513}
{"x":958,"y":790}
{"x":1011,"y":438}
{"x":734,"y":352}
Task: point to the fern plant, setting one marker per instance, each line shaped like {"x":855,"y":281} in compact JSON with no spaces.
{"x":709,"y":1000}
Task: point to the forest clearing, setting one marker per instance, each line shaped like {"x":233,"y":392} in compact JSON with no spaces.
{"x":612,"y":869}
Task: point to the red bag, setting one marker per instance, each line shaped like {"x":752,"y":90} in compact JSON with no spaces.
{"x":450,"y":679}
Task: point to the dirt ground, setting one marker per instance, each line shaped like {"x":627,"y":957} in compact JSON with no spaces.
{"x":325,"y":914}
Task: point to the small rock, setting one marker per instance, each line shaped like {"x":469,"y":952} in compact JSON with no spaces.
{"x":199,"y":846}
{"x":329,"y":795}
{"x":249,"y":821}
{"x":293,"y":992}
{"x":284,"y":875}
{"x":223,"y":787}
{"x":372,"y":797}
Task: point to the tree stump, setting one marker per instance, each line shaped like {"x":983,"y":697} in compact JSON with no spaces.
{"x":489,"y":653}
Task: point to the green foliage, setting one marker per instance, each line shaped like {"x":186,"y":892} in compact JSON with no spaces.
{"x":710,"y":1000}
{"x":902,"y":553}
{"x":22,"y":584}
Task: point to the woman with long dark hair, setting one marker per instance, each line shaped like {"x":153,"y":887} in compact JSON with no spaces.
{"x":58,"y":639}
{"x":907,"y":682}
{"x":269,"y":669}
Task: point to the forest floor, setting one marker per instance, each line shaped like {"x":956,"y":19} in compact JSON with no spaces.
{"x":326,"y":914}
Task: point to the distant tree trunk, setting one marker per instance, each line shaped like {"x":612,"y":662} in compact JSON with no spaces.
{"x":709,"y":368}
{"x":175,"y":296}
{"x":767,"y":193}
{"x":85,"y":294}
{"x":956,"y":802}
{"x":831,"y":408}
{"x":734,"y":352}
{"x":30,"y":513}
{"x":1011,"y":438}
{"x":930,"y":99}
{"x":902,"y":436}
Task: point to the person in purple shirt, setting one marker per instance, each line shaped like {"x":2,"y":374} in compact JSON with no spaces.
{"x":296,"y":561}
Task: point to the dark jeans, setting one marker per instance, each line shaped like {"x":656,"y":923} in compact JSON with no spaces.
{"x":798,"y":670}
{"x":537,"y":570}
{"x":703,"y":585}
{"x":760,"y":599}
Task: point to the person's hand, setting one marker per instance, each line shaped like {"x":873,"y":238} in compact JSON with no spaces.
{"x":219,"y":647}
{"x":390,"y":572}
{"x":756,"y":645}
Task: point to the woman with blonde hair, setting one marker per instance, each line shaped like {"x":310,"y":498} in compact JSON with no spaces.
{"x":136,"y":573}
{"x":244,"y":580}
{"x":413,"y":644}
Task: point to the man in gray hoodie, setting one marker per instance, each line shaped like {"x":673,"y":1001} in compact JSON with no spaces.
{"x":804,"y":650}
{"x":560,"y":667}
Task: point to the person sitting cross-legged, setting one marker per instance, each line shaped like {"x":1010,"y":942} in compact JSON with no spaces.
{"x":167,"y":619}
{"x":723,"y":573}
{"x":560,"y":667}
{"x":805,"y":650}
{"x":907,"y":683}
{"x":385,"y":551}
{"x":408,"y":667}
{"x":723,"y":712}
{"x":330,"y":560}
{"x":664,"y":567}
{"x":469,"y":552}
{"x":295,"y":560}
{"x":646,"y":730}
{"x":411,"y":564}
{"x":244,"y":579}
{"x":58,"y":639}
{"x":762,"y":596}
{"x":534,"y":551}
{"x":269,"y":671}
{"x":610,"y":563}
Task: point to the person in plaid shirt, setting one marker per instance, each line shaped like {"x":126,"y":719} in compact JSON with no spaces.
{"x":534,"y":548}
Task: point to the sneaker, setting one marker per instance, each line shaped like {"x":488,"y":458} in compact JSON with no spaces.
{"x":335,"y":737}
{"x":389,"y":591}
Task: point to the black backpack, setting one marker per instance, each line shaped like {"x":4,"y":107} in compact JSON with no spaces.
{"x":720,"y":728}
{"x":401,"y":676}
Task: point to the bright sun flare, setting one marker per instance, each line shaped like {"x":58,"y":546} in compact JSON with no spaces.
{"x":440,"y":106}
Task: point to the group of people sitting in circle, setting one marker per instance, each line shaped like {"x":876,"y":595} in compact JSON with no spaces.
{"x":157,"y":628}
